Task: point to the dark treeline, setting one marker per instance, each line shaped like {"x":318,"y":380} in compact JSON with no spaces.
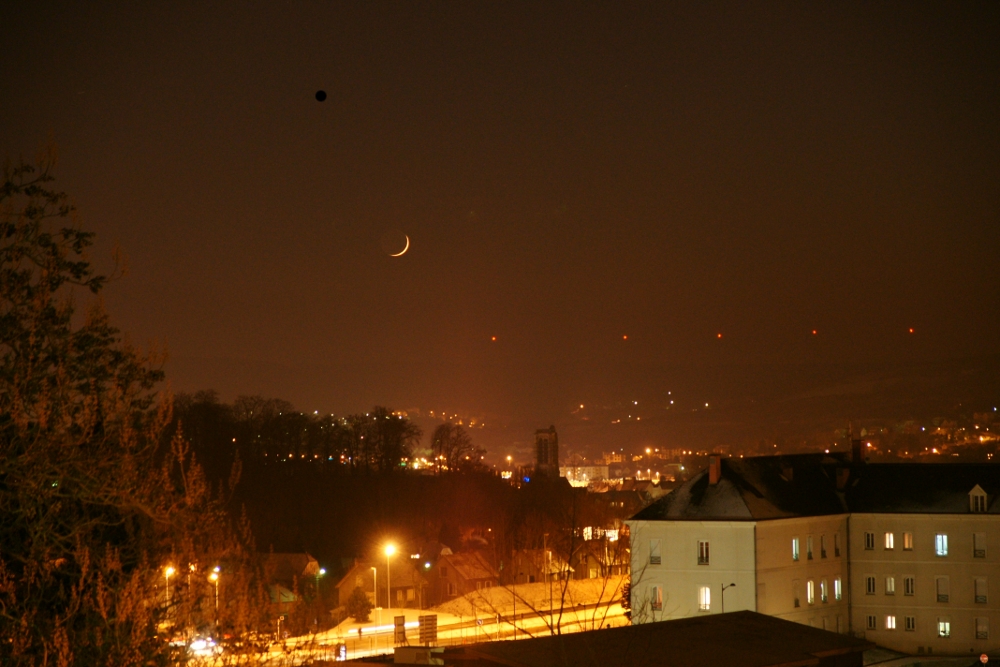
{"x":335,"y":486}
{"x":261,"y":429}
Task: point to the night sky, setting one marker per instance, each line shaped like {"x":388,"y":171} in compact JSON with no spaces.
{"x":568,"y":174}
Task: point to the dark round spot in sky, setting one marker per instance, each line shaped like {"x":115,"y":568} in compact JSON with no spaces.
{"x":320,"y":95}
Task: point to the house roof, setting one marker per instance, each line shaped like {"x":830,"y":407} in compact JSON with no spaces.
{"x":288,"y":567}
{"x":737,"y":639}
{"x":403,"y":574}
{"x":470,"y":565}
{"x":926,"y":488}
{"x":773,"y":487}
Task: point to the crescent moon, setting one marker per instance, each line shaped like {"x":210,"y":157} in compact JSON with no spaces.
{"x":405,"y":248}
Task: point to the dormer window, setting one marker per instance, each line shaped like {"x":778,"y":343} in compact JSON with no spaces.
{"x":977,"y":499}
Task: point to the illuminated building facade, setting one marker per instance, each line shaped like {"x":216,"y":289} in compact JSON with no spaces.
{"x":904,"y":555}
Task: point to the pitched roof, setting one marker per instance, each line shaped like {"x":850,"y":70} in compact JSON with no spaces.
{"x":737,"y":639}
{"x":766,"y":487}
{"x":288,"y":567}
{"x":773,"y":487}
{"x":403,"y":574}
{"x":926,"y":488}
{"x":470,"y":565}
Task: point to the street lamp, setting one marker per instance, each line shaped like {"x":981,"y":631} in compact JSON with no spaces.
{"x":214,"y":578}
{"x":390,"y":549}
{"x":167,"y":573}
{"x":722,"y":598}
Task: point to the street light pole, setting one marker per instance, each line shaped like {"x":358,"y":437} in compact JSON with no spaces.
{"x":167,"y":573}
{"x":214,"y":578}
{"x":722,"y":598}
{"x":390,"y":549}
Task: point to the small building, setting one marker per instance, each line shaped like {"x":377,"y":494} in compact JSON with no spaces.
{"x":453,"y":575}
{"x":529,"y":566}
{"x":407,"y":583}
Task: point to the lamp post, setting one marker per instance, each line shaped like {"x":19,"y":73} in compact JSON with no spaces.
{"x":214,"y":578}
{"x":167,"y":573}
{"x":722,"y":598}
{"x":390,"y":549}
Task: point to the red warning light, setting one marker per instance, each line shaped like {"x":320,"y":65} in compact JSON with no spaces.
{"x":718,"y":335}
{"x":624,"y":337}
{"x":814,"y":332}
{"x":911,"y":329}
{"x":493,"y":338}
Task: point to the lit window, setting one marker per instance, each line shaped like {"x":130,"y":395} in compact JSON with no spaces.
{"x":941,"y":544}
{"x":909,"y":585}
{"x":703,"y":553}
{"x":654,"y":552}
{"x":890,"y":622}
{"x":907,"y":541}
{"x":838,"y":591}
{"x":979,"y":545}
{"x":982,"y":628}
{"x":944,"y":627}
{"x":872,"y":622}
{"x":809,"y":547}
{"x":890,"y":585}
{"x":980,"y":590}
{"x":869,"y":585}
{"x":869,"y":541}
{"x":890,"y":540}
{"x":795,"y":548}
{"x":942,"y":586}
{"x":704,"y":598}
{"x":810,"y":592}
{"x":822,"y":591}
{"x":656,"y":598}
{"x":911,"y":623}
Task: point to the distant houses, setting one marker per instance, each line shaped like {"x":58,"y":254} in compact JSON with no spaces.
{"x":454,"y":575}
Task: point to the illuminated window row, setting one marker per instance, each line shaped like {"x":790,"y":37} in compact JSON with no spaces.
{"x":940,"y":543}
{"x":943,"y":625}
{"x":822,"y":547}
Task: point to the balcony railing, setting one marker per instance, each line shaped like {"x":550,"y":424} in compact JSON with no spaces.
{"x":979,"y":553}
{"x":980,"y":599}
{"x":942,"y":598}
{"x":654,"y":560}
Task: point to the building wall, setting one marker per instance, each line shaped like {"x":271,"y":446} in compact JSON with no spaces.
{"x":781,"y":579}
{"x":679,"y":574}
{"x":960,"y":566}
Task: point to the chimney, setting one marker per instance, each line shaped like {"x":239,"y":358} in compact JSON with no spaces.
{"x":856,"y":456}
{"x":714,"y":469}
{"x":842,"y":475}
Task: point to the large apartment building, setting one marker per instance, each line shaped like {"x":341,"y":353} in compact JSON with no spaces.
{"x":904,"y":555}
